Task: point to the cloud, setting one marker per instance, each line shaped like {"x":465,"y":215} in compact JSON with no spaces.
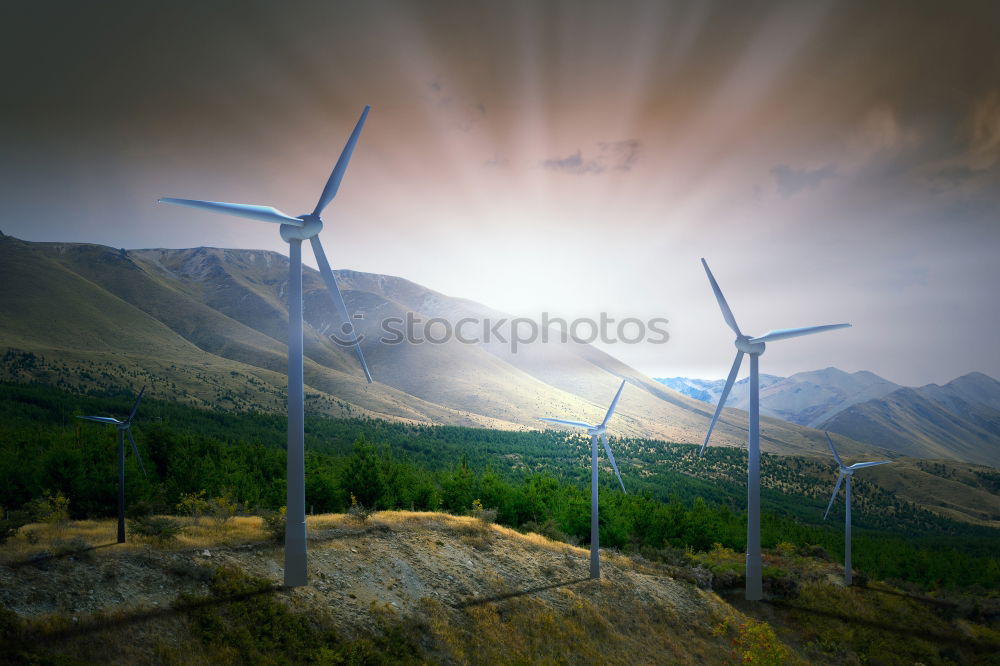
{"x":621,"y":154}
{"x":462,"y":111}
{"x":984,"y":144}
{"x":880,"y":132}
{"x":792,"y":181}
{"x":573,"y":164}
{"x":611,"y":156}
{"x":969,"y":162}
{"x":497,"y":162}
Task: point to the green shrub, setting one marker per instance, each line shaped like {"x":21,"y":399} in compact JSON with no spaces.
{"x":193,"y":505}
{"x":49,"y":508}
{"x":154,"y":528}
{"x":76,"y":547}
{"x":358,"y":511}
{"x":274,"y":524}
{"x":786,"y":549}
{"x":139,"y":509}
{"x":223,"y":507}
{"x":12,"y":523}
{"x":486,"y":516}
{"x":548,"y":529}
{"x":756,"y":643}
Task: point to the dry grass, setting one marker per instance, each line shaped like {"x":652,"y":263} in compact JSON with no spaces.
{"x":36,"y":538}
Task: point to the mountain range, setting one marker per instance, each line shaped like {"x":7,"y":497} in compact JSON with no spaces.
{"x":959,"y":420}
{"x":208,"y":326}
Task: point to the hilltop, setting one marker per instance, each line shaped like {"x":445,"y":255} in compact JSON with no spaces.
{"x":435,"y":588}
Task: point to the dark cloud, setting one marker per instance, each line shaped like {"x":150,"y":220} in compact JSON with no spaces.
{"x":573,"y":164}
{"x":611,"y":156}
{"x":792,"y":181}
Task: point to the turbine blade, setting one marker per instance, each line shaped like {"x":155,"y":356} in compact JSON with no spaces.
{"x":727,"y":314}
{"x":868,"y":464}
{"x":575,"y":424}
{"x":614,"y":403}
{"x":836,"y":489}
{"x":338,"y":300}
{"x":830,"y":441}
{"x":135,"y":407}
{"x":722,"y":398}
{"x":101,"y":419}
{"x":263,"y":213}
{"x":611,"y":457}
{"x":136,"y":450}
{"x":333,"y":184}
{"x":783,"y":333}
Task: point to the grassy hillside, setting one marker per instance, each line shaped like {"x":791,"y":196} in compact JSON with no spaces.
{"x":406,"y":587}
{"x":207,"y":326}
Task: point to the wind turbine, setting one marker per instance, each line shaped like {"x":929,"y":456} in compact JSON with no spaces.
{"x":294,"y":230}
{"x":754,"y":346}
{"x":596,"y":431}
{"x":123,"y":428}
{"x":846,"y":472}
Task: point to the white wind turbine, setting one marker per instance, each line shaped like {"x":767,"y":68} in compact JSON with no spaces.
{"x":294,"y":230}
{"x":846,"y":471}
{"x":123,"y":428}
{"x":754,"y":346}
{"x":596,"y":431}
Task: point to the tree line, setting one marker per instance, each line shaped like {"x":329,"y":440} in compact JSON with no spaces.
{"x":536,"y":481}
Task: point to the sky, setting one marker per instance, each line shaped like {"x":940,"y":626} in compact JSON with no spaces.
{"x":832,"y":161}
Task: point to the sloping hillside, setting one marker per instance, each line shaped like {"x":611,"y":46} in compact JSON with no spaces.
{"x":431,"y":588}
{"x":449,"y":589}
{"x":207,"y":325}
{"x":957,"y":421}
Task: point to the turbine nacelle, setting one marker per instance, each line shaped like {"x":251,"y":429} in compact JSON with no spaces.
{"x":599,"y":431}
{"x":311,"y":226}
{"x":747,"y":346}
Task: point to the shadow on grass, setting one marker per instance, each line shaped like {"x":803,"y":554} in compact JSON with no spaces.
{"x":478,"y":601}
{"x":36,"y":636}
{"x":44,"y":557}
{"x":955,"y":639}
{"x":931,"y":601}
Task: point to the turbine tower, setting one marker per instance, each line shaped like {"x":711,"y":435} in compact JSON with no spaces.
{"x":596,"y":431}
{"x":294,"y":230}
{"x":123,"y":428}
{"x":754,"y":346}
{"x":846,"y":472}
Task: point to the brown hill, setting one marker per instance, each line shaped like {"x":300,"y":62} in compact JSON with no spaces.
{"x":208,"y":325}
{"x":431,"y":588}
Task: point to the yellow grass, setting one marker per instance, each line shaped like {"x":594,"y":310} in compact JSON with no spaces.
{"x":210,"y":533}
{"x":49,"y":536}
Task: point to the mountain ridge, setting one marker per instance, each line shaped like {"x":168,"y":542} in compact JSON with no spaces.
{"x":957,"y":421}
{"x":209,"y":325}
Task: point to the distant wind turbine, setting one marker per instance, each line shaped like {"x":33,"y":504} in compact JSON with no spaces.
{"x":754,"y":346}
{"x":596,"y":431}
{"x":294,"y":230}
{"x":846,"y":472}
{"x":123,"y":428}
